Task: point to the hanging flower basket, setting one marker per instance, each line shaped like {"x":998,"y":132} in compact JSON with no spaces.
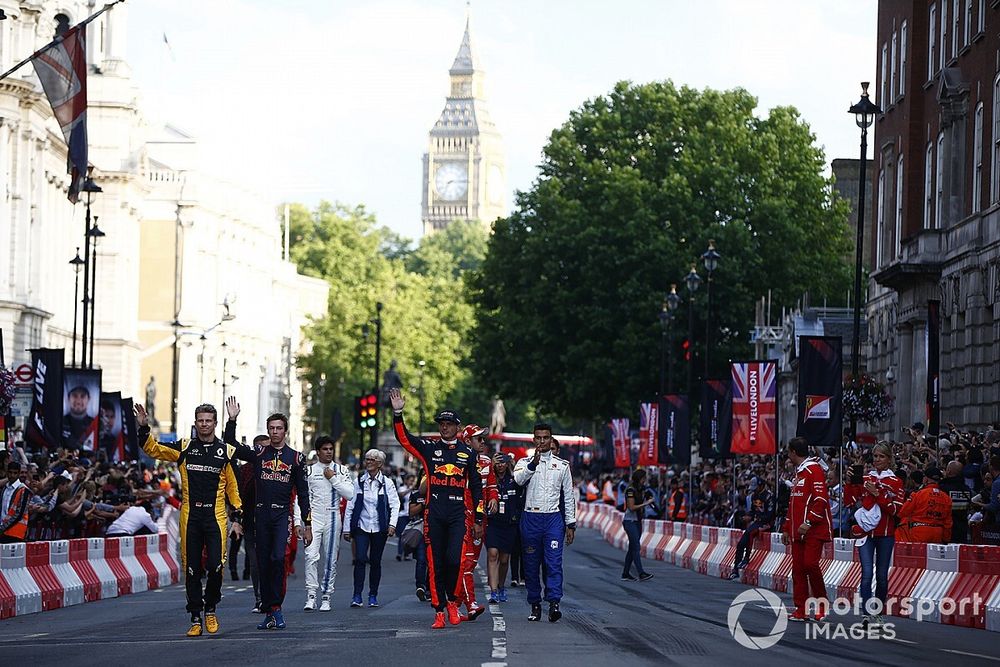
{"x":866,"y":400}
{"x":7,"y":389}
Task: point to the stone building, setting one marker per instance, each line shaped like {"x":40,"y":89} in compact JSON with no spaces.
{"x":936,"y":181}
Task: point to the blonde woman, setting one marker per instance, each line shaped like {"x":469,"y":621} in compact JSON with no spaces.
{"x":883,"y":489}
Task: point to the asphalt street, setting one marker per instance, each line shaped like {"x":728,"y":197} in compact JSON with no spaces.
{"x":678,"y":617}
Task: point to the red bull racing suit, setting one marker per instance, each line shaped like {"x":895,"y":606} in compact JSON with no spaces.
{"x":472,"y":547}
{"x":451,"y":471}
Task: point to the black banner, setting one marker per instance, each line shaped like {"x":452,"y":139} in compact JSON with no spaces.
{"x":81,"y":408}
{"x":934,"y":367}
{"x":821,"y":387}
{"x":44,"y":428}
{"x":675,"y":430}
{"x":130,"y":431}
{"x":716,"y":423}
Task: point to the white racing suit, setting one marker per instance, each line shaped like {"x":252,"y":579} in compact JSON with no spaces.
{"x":324,"y":499}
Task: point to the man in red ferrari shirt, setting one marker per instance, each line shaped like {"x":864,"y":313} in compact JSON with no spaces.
{"x":807,"y":528}
{"x":475,"y":437}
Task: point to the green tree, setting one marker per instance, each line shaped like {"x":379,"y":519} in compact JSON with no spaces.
{"x":630,"y":190}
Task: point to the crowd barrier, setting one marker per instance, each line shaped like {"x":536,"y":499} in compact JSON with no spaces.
{"x":941,"y":580}
{"x":39,"y":576}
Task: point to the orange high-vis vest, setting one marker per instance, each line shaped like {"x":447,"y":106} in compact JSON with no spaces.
{"x":18,"y":503}
{"x":682,"y":512}
{"x":926,"y":517}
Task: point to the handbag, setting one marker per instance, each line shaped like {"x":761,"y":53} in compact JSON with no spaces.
{"x":412,"y":538}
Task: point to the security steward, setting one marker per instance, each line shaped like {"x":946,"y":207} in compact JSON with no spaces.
{"x":207,"y":481}
{"x":926,"y":516}
{"x":450,"y":467}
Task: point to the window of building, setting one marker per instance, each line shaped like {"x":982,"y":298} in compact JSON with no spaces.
{"x":939,"y":184}
{"x":880,"y":220}
{"x":928,"y":183}
{"x":898,"y":236}
{"x":892,"y":68}
{"x":967,"y":35}
{"x":977,"y":161}
{"x":956,"y":17}
{"x":931,"y":42}
{"x":903,"y":30}
{"x":883,"y":79}
{"x":943,"y":42}
{"x":995,"y":164}
{"x":62,"y":25}
{"x":981,"y":17}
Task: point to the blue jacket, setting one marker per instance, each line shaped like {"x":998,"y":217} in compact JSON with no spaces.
{"x":382,"y":506}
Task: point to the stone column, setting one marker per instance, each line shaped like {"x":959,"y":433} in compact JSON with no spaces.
{"x":905,"y":377}
{"x":918,"y":397}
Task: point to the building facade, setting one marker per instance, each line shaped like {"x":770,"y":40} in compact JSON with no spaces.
{"x":937,"y":206}
{"x":189,"y":263}
{"x":464,"y":171}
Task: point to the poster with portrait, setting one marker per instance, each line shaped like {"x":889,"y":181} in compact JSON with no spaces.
{"x":81,"y":408}
{"x":110,"y":437}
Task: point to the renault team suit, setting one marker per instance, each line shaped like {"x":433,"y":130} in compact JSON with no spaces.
{"x":450,"y":468}
{"x":543,"y":526}
{"x":324,"y":499}
{"x":278,"y":471}
{"x":207,"y":480}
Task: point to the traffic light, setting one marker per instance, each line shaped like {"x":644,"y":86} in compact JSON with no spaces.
{"x":359,"y":421}
{"x":367,"y":411}
{"x":686,"y":349}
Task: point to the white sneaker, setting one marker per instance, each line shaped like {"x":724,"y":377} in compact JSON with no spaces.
{"x":324,"y":605}
{"x":310,"y":602}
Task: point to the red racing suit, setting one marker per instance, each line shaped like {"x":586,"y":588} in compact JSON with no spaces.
{"x":810,"y":501}
{"x":465,"y":591}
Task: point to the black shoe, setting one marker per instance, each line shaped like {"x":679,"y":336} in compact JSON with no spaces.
{"x":514,"y":583}
{"x":246,"y":575}
{"x":422,"y":595}
{"x":627,"y":577}
{"x":257,"y":609}
{"x":734,"y":576}
{"x":398,"y":557}
{"x":536,"y":612}
{"x":234,"y":575}
{"x":645,"y":576}
{"x":554,"y":613}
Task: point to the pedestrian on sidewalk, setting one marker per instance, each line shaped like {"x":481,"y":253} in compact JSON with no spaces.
{"x":416,"y":530}
{"x":370,"y":522}
{"x":632,"y":523}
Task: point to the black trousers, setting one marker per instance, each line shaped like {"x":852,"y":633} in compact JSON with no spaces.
{"x":446,"y":534}
{"x":272,"y":527}
{"x":202,"y":533}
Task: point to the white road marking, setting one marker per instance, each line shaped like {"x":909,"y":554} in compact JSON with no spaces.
{"x":37,"y":634}
{"x":904,"y":641}
{"x":499,"y":651}
{"x":973,"y":655}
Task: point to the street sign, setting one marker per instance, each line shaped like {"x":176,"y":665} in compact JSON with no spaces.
{"x":20,"y":406}
{"x":24,"y":374}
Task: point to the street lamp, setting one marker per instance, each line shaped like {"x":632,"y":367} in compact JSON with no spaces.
{"x":711,"y":259}
{"x":420,"y":394}
{"x":693,"y":281}
{"x":96,"y":234}
{"x":673,"y":301}
{"x":864,"y":115}
{"x":77,"y":264}
{"x":91,"y":188}
{"x":377,"y":321}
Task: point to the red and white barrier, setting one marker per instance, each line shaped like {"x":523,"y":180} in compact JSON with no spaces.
{"x":952,"y":584}
{"x":13,"y":566}
{"x":69,"y":580}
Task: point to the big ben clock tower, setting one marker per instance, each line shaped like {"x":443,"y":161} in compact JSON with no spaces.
{"x":464,"y":168}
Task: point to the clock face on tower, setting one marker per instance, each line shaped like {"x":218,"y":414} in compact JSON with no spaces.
{"x":451,"y":181}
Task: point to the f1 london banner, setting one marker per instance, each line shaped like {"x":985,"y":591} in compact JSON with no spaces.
{"x":755,"y":408}
{"x":44,"y":427}
{"x":821,"y":386}
{"x":649,"y":434}
{"x":716,"y":419}
{"x":675,"y":424}
{"x":622,"y":439}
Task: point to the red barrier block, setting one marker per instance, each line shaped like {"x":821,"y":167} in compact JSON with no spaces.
{"x":8,"y":600}
{"x":37,"y":561}
{"x":112,"y":554}
{"x":169,"y":558}
{"x":142,"y":555}
{"x":81,"y":565}
{"x":979,"y":576}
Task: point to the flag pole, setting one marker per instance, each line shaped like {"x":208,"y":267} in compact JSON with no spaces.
{"x":57,"y":40}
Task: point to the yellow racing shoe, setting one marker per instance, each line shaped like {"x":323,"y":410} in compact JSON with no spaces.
{"x":195,"y":630}
{"x":211,"y":623}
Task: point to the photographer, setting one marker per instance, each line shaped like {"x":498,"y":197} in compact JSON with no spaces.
{"x":632,"y":523}
{"x":136,"y":520}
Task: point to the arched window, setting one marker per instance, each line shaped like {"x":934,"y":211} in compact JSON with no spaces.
{"x":62,"y":25}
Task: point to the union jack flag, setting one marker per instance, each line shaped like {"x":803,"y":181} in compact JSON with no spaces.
{"x":755,"y":424}
{"x":62,"y":70}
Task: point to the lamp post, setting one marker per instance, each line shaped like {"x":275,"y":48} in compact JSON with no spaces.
{"x":377,"y":321}
{"x":175,"y":371}
{"x":77,"y":264}
{"x":96,"y":234}
{"x":91,"y":188}
{"x":864,"y":115}
{"x":420,"y":394}
{"x":711,"y":259}
{"x":693,"y":281}
{"x":673,"y":301}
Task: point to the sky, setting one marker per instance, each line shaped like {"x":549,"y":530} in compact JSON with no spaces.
{"x":305,"y":100}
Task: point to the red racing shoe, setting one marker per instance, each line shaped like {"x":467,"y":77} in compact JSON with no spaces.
{"x":438,"y":621}
{"x":453,"y":616}
{"x":798,"y":615}
{"x":474,"y":613}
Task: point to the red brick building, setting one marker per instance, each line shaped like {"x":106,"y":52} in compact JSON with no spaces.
{"x":936,"y":206}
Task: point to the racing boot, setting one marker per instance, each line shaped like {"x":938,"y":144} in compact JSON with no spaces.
{"x":279,"y":620}
{"x":453,"y":616}
{"x":324,"y":604}
{"x":267,"y":623}
{"x":211,"y":622}
{"x":438,"y":621}
{"x":310,"y":602}
{"x":195,"y":630}
{"x":536,"y":612}
{"x":554,"y":613}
